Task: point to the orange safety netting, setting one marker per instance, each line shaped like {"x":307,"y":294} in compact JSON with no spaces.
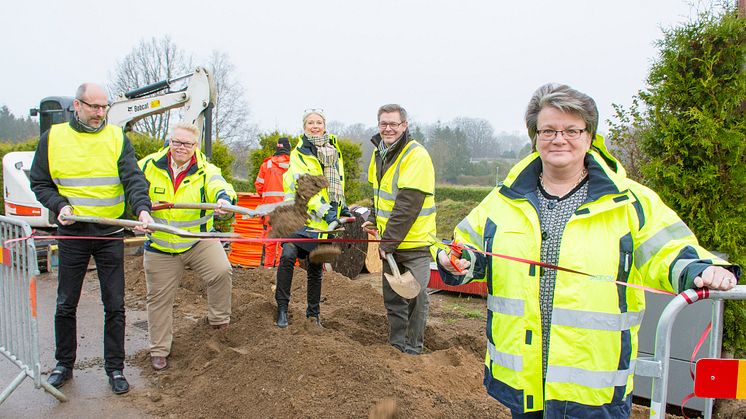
{"x":247,"y":254}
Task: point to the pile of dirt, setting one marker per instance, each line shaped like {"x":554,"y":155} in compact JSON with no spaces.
{"x":345,"y":369}
{"x":289,"y":219}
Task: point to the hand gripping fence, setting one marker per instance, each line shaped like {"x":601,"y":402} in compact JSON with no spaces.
{"x":657,"y":367}
{"x":19,"y":335}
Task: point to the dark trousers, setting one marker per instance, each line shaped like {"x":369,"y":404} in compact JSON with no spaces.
{"x":74,"y":256}
{"x":290,"y":252}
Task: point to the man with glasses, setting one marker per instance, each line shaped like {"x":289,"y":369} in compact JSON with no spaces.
{"x":403,"y":180}
{"x":180,"y":173}
{"x":88,"y":168}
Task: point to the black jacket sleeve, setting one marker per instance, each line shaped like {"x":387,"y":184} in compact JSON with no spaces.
{"x":406,"y":209}
{"x":133,"y":179}
{"x":41,"y":181}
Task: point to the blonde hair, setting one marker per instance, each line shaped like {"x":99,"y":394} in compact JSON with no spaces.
{"x":188,"y":126}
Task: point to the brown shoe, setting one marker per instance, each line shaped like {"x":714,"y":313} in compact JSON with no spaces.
{"x":220,"y":326}
{"x":159,"y":362}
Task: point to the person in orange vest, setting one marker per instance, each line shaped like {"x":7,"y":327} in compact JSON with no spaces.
{"x":269,"y":185}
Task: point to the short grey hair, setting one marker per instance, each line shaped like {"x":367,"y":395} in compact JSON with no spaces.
{"x":81,"y":91}
{"x":565,"y":99}
{"x":393,"y":107}
{"x":188,"y":126}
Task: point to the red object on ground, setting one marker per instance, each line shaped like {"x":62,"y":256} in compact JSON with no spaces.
{"x":476,"y":288}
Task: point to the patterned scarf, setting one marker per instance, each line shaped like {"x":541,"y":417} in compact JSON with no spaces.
{"x":328,"y":157}
{"x":383,"y":148}
{"x":89,"y":129}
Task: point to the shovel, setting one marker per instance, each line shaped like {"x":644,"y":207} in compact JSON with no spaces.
{"x":334,"y":226}
{"x":328,"y":253}
{"x":404,"y":285}
{"x":259,"y":211}
{"x":152,"y":226}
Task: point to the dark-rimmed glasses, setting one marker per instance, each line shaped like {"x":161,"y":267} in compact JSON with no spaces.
{"x":567,"y":134}
{"x":185,"y":144}
{"x":97,"y":108}
{"x":393,"y":125}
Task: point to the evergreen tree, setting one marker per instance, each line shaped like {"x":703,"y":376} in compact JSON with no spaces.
{"x":692,"y":131}
{"x":14,"y":129}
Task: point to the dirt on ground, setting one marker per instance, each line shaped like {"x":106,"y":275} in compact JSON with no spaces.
{"x":344,"y":370}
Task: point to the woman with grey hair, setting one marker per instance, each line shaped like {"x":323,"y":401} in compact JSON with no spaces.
{"x":562,"y":329}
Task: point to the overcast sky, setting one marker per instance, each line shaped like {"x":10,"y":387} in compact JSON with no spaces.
{"x":439,"y":59}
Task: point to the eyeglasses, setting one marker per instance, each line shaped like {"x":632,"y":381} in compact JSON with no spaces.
{"x":185,"y":144}
{"x":314,"y":110}
{"x":393,"y":125}
{"x":96,"y":108}
{"x":567,"y":134}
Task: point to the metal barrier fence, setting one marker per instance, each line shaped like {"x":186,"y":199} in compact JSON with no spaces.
{"x":657,"y":367}
{"x":19,"y":336}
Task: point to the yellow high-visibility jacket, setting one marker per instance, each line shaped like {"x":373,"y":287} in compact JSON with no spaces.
{"x":204,"y":182}
{"x":623,"y":232}
{"x":304,"y":162}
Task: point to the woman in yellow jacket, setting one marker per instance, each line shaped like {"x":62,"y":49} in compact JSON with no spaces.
{"x":317,"y":154}
{"x":560,"y":344}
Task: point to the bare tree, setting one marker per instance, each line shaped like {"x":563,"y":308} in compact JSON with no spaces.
{"x":231,"y":112}
{"x":479,"y":134}
{"x":150,"y":61}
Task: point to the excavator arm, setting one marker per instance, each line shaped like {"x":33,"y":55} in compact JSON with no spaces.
{"x":197,"y":99}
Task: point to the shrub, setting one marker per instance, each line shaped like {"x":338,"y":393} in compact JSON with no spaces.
{"x":461,"y":193}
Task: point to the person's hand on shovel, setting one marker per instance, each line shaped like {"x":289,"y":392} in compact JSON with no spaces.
{"x":146,"y":220}
{"x":219,"y":210}
{"x":66,"y":211}
{"x":371,"y":229}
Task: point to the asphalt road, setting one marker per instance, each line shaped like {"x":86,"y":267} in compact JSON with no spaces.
{"x":89,"y":393}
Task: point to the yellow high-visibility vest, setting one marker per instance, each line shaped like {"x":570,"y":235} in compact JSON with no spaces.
{"x":85,"y":168}
{"x":412,"y":169}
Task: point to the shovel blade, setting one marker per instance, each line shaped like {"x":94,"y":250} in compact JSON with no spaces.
{"x":404,"y":285}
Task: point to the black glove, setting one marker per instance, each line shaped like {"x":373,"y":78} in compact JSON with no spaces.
{"x":345,"y":212}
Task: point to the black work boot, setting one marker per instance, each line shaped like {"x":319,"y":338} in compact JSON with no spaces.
{"x":282,"y":317}
{"x":59,"y":376}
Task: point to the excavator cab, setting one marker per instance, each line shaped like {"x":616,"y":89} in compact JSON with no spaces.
{"x":53,"y":110}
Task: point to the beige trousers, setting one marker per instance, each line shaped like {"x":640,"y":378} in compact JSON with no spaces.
{"x":163,"y":274}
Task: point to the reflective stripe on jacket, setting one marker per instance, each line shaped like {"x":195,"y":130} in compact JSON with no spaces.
{"x":85,"y":169}
{"x":622,"y":232}
{"x":203,"y":183}
{"x":412,"y":169}
{"x":269,"y":179}
{"x":304,"y":162}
